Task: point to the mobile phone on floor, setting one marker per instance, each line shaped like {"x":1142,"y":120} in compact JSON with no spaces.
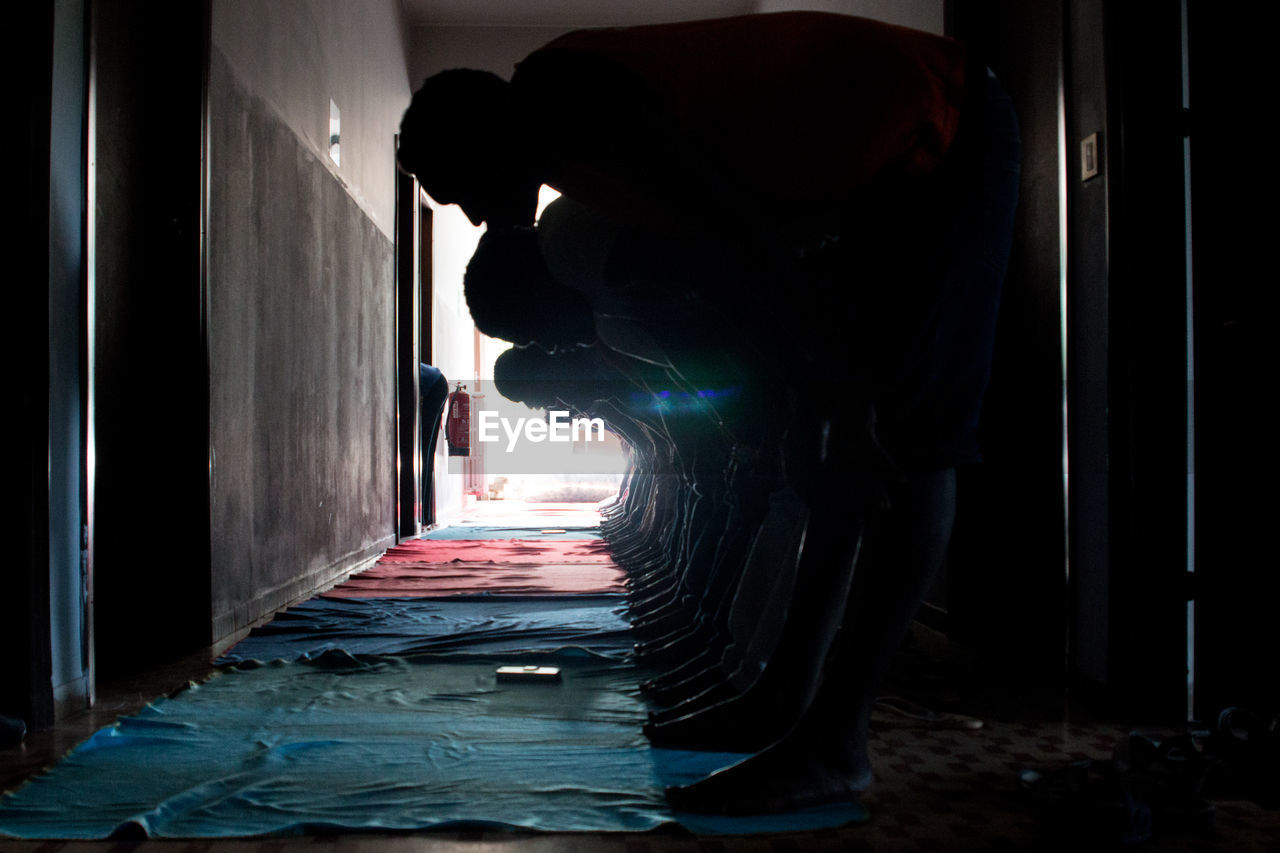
{"x":532,"y":672}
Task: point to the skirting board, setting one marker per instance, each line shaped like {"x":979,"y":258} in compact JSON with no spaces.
{"x":233,"y":625}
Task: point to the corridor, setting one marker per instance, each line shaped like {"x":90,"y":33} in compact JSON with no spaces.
{"x":257,"y":605}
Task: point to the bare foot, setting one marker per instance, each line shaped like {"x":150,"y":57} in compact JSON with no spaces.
{"x":785,"y":777}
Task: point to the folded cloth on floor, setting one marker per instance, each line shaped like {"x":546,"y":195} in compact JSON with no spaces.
{"x":487,"y":532}
{"x":502,"y":551}
{"x":403,"y":579}
{"x":477,"y":624}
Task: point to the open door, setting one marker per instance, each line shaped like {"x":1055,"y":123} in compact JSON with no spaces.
{"x":409,"y":458}
{"x":148,"y":351}
{"x":431,"y":420}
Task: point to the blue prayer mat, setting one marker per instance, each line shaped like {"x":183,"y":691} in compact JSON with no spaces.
{"x":475,"y":623}
{"x":394,"y":743}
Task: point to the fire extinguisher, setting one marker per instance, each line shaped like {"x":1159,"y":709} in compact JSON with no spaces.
{"x":457,"y":431}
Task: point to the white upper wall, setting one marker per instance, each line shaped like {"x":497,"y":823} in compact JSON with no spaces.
{"x":477,"y":36}
{"x":923,"y":15}
{"x":299,"y":54}
{"x":569,"y":14}
{"x":486,"y":48}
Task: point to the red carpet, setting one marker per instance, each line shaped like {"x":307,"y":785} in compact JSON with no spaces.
{"x":398,"y":579}
{"x":501,"y":551}
{"x":430,"y":568}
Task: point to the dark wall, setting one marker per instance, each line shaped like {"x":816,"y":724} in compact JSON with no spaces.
{"x":302,"y":365}
{"x":1233,"y":248}
{"x":25,"y":689}
{"x":1007,"y":565}
{"x":67,"y":480}
{"x":1089,"y":321}
{"x":1148,"y":358}
{"x":150,"y":377}
{"x":1128,"y":367}
{"x":1130,"y":341}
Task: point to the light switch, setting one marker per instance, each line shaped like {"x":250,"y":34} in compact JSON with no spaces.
{"x":1089,"y":157}
{"x":335,"y":132}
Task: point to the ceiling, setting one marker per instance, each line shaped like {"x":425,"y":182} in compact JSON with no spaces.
{"x":566,"y":13}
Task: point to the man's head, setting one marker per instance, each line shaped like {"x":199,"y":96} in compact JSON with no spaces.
{"x":571,"y":378}
{"x":463,"y":138}
{"x":512,"y":296}
{"x":520,"y":374}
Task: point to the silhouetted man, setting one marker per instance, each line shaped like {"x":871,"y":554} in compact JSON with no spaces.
{"x":871,"y":172}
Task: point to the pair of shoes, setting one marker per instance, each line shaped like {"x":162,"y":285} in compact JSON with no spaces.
{"x":1169,"y":775}
{"x":1243,"y":754}
{"x":1150,"y":785}
{"x":1085,"y":801}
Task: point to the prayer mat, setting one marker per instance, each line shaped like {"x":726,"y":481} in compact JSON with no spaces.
{"x":476,"y":624}
{"x":403,"y":579}
{"x":546,"y":531}
{"x":383,"y":743}
{"x":501,"y":551}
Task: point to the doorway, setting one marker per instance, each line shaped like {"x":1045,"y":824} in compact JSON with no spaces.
{"x":418,"y":428}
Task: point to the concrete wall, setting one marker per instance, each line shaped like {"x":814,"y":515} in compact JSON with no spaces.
{"x":301,"y":297}
{"x":297,"y":55}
